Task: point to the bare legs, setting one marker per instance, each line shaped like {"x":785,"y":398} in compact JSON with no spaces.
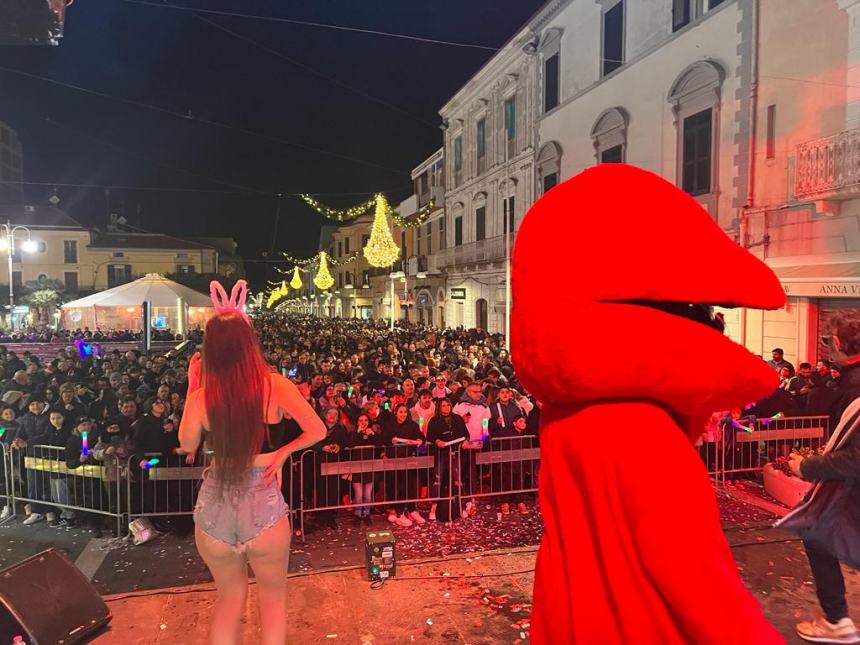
{"x":269,"y":555}
{"x":230,"y":571}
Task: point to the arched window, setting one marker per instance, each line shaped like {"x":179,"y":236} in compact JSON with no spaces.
{"x":695,"y":101}
{"x":481,"y":314}
{"x":548,"y":166}
{"x":609,"y":135}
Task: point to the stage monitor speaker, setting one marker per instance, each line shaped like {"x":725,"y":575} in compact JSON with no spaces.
{"x":46,"y":600}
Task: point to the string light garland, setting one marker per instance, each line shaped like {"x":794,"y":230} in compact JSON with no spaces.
{"x":347,"y":214}
{"x":339,"y":214}
{"x":413,"y":220}
{"x":323,"y":279}
{"x":381,"y":251}
{"x":296,"y":282}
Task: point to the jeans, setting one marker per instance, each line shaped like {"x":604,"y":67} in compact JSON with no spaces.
{"x":829,"y":583}
{"x":362,"y":493}
{"x":60,"y":495}
{"x":36,"y":490}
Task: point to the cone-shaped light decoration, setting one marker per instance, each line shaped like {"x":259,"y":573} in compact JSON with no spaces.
{"x":323,"y":279}
{"x":296,"y":282}
{"x":381,"y":251}
{"x":284,"y":290}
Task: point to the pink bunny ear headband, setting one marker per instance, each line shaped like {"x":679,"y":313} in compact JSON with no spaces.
{"x":235,"y":303}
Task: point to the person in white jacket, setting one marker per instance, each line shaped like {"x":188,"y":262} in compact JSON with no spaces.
{"x":476,"y":414}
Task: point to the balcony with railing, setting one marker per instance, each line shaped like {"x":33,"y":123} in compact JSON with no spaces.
{"x":436,"y":193}
{"x":829,"y":167}
{"x":489,"y":250}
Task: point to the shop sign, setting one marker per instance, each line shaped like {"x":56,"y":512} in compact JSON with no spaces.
{"x":458,"y":294}
{"x":823,"y":289}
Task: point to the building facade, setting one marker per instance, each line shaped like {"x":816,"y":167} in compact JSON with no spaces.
{"x":489,"y":153}
{"x":60,"y":261}
{"x":803,"y":217}
{"x":120,"y":257}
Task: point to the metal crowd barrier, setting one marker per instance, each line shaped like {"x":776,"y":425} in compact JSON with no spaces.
{"x":41,"y":477}
{"x":506,"y":467}
{"x":745,"y":447}
{"x":380,"y":476}
{"x":169,"y":487}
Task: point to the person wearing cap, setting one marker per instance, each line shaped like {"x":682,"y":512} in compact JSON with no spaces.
{"x":778,"y":361}
{"x":33,"y":427}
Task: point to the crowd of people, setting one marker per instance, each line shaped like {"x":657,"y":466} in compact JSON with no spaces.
{"x":381,"y":393}
{"x":66,"y":336}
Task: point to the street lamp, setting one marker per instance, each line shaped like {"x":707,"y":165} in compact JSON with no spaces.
{"x":7,"y":241}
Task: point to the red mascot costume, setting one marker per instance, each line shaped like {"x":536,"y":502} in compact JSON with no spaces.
{"x":613,"y":275}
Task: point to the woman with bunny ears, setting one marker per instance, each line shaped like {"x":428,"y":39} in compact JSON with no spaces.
{"x":236,"y":403}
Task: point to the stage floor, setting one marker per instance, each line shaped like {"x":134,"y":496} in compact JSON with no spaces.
{"x":340,"y":607}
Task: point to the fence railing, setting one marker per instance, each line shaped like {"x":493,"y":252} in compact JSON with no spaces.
{"x":747,"y":446}
{"x":52,"y":483}
{"x":356,"y":479}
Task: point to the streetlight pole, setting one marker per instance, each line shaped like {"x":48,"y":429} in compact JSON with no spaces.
{"x":9,"y":242}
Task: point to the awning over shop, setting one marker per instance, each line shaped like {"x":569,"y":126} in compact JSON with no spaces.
{"x":834,"y":280}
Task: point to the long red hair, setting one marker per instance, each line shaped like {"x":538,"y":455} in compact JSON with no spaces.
{"x":236,"y":381}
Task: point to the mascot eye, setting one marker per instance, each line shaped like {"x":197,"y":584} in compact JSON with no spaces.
{"x":700,"y":313}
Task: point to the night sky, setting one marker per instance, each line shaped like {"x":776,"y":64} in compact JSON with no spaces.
{"x":251,"y":79}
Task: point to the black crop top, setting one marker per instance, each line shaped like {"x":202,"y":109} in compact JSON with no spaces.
{"x":274,"y":437}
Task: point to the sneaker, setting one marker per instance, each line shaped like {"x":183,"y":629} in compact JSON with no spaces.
{"x":28,"y":510}
{"x":522,"y":508}
{"x":821,"y":630}
{"x":6,"y":513}
{"x":51,"y":517}
{"x":473,"y":508}
{"x":392,"y":516}
{"x":54,"y":521}
{"x":415,"y":516}
{"x":66,"y":523}
{"x":403,"y":521}
{"x":32,"y":518}
{"x":432,"y":516}
{"x":506,"y":508}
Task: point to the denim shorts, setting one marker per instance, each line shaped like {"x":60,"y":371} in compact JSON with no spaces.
{"x":243,"y":511}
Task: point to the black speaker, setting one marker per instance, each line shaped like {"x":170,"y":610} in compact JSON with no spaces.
{"x":48,"y":601}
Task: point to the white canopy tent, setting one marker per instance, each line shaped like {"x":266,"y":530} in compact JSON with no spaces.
{"x":174,"y":306}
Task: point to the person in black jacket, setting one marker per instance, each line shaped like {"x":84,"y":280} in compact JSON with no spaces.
{"x":364,"y":446}
{"x":514,"y":475}
{"x":57,"y":437}
{"x":837,"y":463}
{"x":33,"y":427}
{"x":85,"y":491}
{"x":329,"y":487}
{"x":444,"y":428}
{"x":402,"y":436}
